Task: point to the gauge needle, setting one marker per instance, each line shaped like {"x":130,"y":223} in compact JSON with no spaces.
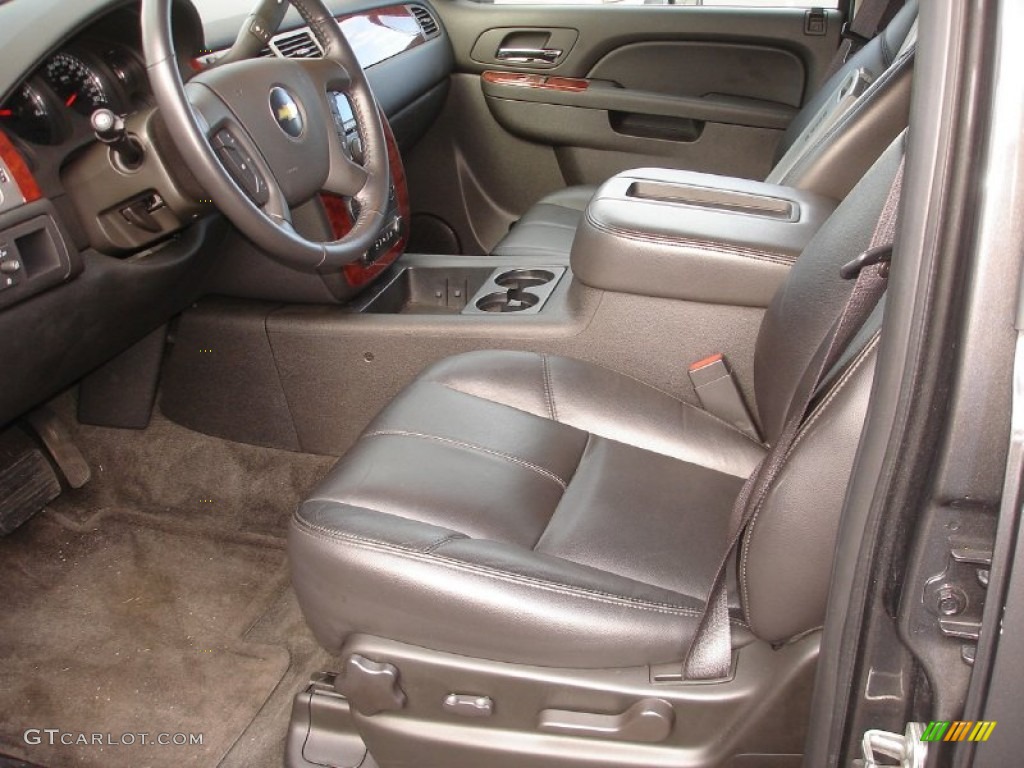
{"x":72,"y":99}
{"x":6,"y":113}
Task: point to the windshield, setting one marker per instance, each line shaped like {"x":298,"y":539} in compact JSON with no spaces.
{"x":213,"y":11}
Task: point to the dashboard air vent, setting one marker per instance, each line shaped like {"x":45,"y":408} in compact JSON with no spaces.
{"x":426,"y":20}
{"x":296,"y":45}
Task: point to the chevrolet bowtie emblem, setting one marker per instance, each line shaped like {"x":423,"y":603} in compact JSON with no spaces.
{"x":285,"y":110}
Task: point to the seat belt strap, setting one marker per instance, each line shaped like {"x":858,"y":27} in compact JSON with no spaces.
{"x":710,"y":653}
{"x":858,"y":32}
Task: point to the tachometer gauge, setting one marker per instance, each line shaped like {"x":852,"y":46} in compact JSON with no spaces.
{"x":31,"y":114}
{"x":78,"y":84}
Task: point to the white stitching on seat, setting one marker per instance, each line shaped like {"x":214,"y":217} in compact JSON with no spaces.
{"x":549,"y":392}
{"x":748,"y":535}
{"x":326,"y":534}
{"x":470,"y":447}
{"x":434,"y":546}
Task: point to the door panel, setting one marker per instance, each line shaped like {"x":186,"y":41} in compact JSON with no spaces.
{"x":601,"y":89}
{"x":704,"y":70}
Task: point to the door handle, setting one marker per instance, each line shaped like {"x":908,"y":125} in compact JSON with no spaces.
{"x":529,"y":55}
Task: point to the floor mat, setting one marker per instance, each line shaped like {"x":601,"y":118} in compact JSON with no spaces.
{"x":120,"y":626}
{"x":262,"y":745}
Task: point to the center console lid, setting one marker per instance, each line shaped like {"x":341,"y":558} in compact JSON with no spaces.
{"x":694,"y":236}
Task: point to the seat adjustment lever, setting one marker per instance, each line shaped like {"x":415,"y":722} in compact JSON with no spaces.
{"x":370,"y":686}
{"x":649,"y":720}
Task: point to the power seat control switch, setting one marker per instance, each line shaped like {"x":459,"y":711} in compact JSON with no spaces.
{"x":468,"y":705}
{"x":240,"y":165}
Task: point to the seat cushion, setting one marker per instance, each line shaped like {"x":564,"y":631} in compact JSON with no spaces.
{"x":548,"y":228}
{"x":524,"y":508}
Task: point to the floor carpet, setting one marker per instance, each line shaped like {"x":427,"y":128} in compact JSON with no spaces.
{"x":156,"y":600}
{"x":190,"y":478}
{"x":116,"y":627}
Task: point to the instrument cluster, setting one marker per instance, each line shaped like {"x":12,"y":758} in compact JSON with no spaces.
{"x":70,"y":86}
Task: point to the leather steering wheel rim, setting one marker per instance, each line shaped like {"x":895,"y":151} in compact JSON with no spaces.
{"x":236,"y":99}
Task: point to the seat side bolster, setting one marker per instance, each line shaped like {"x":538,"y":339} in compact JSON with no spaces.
{"x":788,"y":547}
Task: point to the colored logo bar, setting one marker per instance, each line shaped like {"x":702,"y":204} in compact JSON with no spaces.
{"x":958,"y":730}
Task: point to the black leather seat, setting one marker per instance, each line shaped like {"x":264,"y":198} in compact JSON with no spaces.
{"x":539,"y":510}
{"x":812,"y":154}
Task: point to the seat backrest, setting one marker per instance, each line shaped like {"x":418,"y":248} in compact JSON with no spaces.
{"x":853,"y":116}
{"x":786,"y":559}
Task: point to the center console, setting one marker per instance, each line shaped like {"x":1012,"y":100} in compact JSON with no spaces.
{"x":694,"y":236}
{"x":685,"y":261}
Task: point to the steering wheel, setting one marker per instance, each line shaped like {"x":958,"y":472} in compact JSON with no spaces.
{"x":259,"y":134}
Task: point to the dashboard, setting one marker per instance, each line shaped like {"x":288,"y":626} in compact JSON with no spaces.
{"x":93,"y":257}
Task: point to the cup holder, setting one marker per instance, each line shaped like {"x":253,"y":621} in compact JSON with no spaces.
{"x":524,"y":278}
{"x":512,"y":300}
{"x":507,"y":290}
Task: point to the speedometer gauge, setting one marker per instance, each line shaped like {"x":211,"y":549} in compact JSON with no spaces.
{"x":78,"y":84}
{"x":31,"y":114}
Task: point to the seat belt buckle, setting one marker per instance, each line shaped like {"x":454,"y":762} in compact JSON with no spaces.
{"x":720,"y":395}
{"x":880,"y":255}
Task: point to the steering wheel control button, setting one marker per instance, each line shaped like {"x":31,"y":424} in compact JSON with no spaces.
{"x":240,"y":165}
{"x":346,"y":126}
{"x":259,"y":30}
{"x":286,"y":112}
